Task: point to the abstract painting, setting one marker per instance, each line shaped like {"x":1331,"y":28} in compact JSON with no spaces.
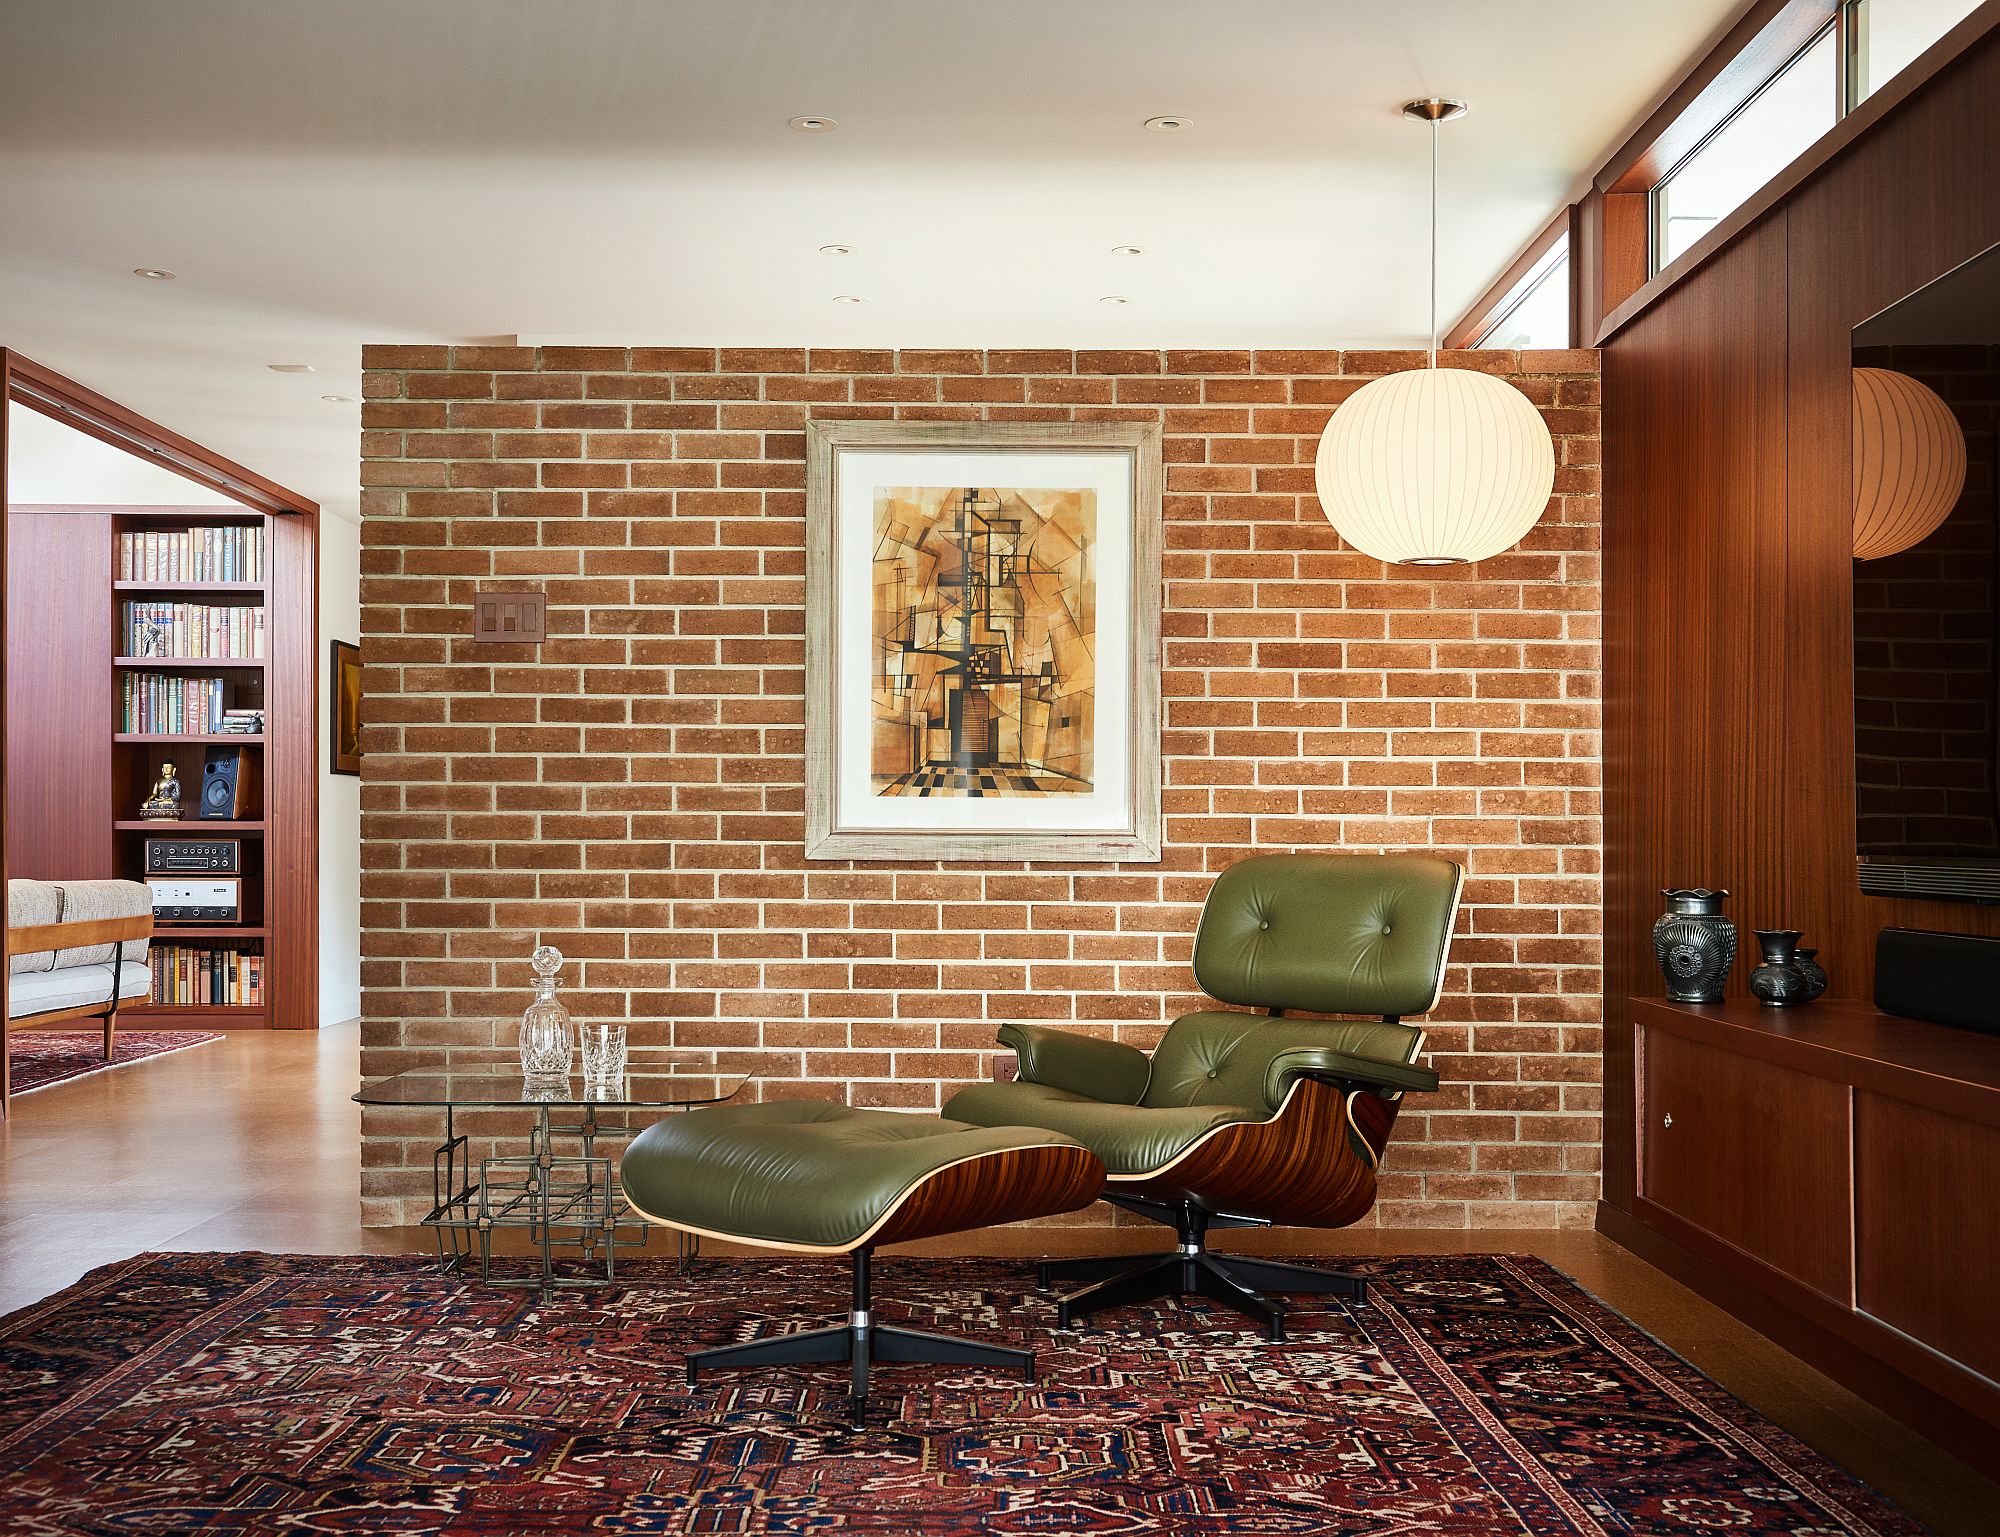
{"x":983,"y":612}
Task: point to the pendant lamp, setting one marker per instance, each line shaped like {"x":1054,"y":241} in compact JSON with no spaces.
{"x":1909,"y":462}
{"x":1436,"y":466}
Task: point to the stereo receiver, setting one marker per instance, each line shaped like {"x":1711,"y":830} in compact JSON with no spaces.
{"x":194,"y":856}
{"x":208,"y":900}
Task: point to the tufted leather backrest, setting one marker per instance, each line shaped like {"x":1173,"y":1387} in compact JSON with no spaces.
{"x":1329,"y":933}
{"x":1218,"y":1058}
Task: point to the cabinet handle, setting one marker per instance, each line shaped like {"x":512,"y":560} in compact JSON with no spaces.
{"x":1667,"y":1120}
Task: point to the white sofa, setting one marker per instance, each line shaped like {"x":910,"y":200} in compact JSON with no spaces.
{"x":76,"y":950}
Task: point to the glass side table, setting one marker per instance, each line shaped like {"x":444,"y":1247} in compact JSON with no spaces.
{"x":562,"y":1200}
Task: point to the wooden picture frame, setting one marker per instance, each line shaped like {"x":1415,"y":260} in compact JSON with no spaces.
{"x":983,"y":641}
{"x":343,"y":738}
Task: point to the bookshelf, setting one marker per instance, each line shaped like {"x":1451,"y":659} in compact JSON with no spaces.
{"x":191,"y":645}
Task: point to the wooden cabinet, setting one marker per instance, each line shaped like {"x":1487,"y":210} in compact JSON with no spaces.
{"x":1827,"y":1174}
{"x":1752,"y":1153}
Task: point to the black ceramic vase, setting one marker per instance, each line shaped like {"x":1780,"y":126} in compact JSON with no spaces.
{"x":1696,"y":945}
{"x":1815,"y":974}
{"x":1779,"y":981}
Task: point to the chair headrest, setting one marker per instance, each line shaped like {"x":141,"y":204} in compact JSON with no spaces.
{"x":1329,"y":933}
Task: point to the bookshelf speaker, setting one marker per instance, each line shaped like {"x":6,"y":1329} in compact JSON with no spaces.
{"x":229,"y":785}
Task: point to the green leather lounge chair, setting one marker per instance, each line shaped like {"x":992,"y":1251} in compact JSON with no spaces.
{"x":1244,"y":1120}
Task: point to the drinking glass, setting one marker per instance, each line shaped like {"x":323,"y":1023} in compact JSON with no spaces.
{"x":604,"y":1049}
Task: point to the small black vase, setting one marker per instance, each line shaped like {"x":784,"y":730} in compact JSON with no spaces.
{"x":1815,"y":974}
{"x":1695,"y":943}
{"x":1779,"y":981}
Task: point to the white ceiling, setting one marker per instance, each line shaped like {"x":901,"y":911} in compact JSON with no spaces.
{"x":324,"y":173}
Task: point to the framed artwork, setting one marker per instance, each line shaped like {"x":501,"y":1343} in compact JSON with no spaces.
{"x":982,"y":641}
{"x":344,"y":701}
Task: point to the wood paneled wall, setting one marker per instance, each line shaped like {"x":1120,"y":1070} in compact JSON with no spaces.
{"x":61,"y":695}
{"x":1728,"y":729}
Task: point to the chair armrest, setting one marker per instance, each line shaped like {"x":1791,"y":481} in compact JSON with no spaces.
{"x":1079,"y":1064}
{"x":1385,"y":1078}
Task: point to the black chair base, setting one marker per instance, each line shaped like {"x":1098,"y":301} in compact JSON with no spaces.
{"x":861,"y":1342}
{"x":1235,"y":1280}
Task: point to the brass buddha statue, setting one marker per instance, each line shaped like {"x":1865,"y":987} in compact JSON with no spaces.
{"x":163,"y":803}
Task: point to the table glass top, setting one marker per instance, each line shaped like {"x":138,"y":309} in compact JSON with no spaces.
{"x":651,"y":1078}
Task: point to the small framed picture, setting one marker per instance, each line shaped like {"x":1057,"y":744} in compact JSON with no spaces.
{"x":983,"y":641}
{"x":344,"y":699}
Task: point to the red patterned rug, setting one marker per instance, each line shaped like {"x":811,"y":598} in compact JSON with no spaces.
{"x":1476,"y":1395}
{"x":38,"y":1058}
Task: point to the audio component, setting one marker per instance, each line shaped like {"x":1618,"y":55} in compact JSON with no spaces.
{"x":208,"y":900}
{"x":229,"y":785}
{"x":1948,"y":979}
{"x":194,"y":856}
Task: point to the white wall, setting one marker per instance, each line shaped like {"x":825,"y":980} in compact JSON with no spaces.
{"x":339,"y":794}
{"x":50,"y":463}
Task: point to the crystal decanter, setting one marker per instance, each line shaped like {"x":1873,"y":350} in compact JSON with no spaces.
{"x":547,"y":1038}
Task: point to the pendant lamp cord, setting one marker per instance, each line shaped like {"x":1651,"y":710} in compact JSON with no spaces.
{"x":1434,"y":240}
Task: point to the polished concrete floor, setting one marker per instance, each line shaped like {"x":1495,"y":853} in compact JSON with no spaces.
{"x":253,"y":1143}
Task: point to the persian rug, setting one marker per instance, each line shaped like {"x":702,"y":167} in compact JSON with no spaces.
{"x":1483,"y":1394}
{"x":39,"y":1058}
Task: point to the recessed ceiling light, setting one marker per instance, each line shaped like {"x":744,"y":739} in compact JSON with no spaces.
{"x":813,"y":124}
{"x":1128,"y":250}
{"x":157,"y":274}
{"x":836,"y":250}
{"x":846,"y":298}
{"x":290,"y":368}
{"x":339,"y":400}
{"x":1114,"y":299}
{"x":1168,"y":124}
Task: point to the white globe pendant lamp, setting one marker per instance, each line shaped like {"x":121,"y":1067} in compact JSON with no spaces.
{"x":1909,"y":462}
{"x":1435,"y":466}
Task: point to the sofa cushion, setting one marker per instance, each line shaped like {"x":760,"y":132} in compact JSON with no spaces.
{"x":30,"y":905}
{"x":1131,"y":1139}
{"x":43,"y":992}
{"x":89,"y":901}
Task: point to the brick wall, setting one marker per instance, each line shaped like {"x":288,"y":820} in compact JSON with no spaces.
{"x":632,"y":791}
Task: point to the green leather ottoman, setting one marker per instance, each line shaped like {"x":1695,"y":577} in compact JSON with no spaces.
{"x":809,"y":1178}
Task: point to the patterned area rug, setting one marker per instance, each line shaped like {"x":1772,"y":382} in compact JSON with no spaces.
{"x":1478,"y":1395}
{"x":38,"y":1058}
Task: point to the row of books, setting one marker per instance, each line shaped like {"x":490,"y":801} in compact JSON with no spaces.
{"x":192,"y":630}
{"x":197,"y":975}
{"x":192,"y":555}
{"x":160,"y":703}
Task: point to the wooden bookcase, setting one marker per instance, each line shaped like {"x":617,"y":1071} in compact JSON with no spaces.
{"x":137,"y":756}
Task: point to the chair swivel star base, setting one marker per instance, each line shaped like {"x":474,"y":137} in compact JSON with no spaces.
{"x":861,"y":1341}
{"x":1235,"y":1280}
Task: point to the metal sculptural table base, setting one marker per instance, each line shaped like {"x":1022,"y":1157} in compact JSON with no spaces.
{"x":562,"y":1201}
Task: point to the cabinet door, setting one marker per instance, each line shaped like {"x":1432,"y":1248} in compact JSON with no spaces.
{"x":1755,"y":1154}
{"x":1927,"y":1246}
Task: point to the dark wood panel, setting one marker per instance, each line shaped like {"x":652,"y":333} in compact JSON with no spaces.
{"x":993,"y":1188}
{"x":1955,"y":1071}
{"x":291,"y":773}
{"x":1905,"y":207}
{"x":61,"y":698}
{"x":1957,"y":1410}
{"x":1694,"y":586}
{"x":1753,"y":1153}
{"x":1926,"y":1246}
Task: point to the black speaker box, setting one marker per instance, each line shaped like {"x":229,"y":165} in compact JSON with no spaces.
{"x":229,"y":785}
{"x":1948,"y":979}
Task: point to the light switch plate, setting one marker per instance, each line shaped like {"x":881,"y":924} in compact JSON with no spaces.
{"x":512,"y":618}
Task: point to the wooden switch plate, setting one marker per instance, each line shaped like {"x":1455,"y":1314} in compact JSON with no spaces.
{"x":515,"y":618}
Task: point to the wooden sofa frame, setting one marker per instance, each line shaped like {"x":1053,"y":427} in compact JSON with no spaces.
{"x":70,"y":936}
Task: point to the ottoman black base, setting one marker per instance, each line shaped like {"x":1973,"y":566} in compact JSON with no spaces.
{"x":861,"y":1341}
